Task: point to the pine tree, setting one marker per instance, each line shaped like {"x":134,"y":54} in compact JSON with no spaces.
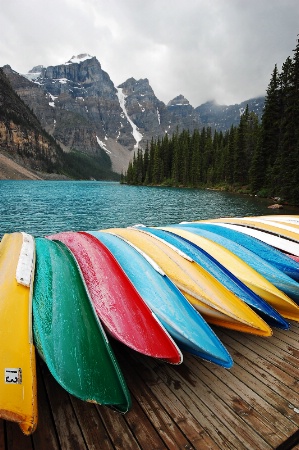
{"x":241,"y":159}
{"x":145,"y":164}
{"x":271,"y":123}
{"x":175,"y":172}
{"x":195,"y":159}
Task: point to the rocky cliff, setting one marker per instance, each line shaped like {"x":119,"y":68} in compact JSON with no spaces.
{"x":22,"y":138}
{"x":78,"y":104}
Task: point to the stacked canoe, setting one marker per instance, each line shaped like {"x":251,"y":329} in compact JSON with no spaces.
{"x":158,"y":290}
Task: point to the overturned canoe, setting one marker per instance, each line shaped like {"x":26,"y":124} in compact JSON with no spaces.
{"x":292,"y":220}
{"x":254,"y":280}
{"x":18,"y":401}
{"x":224,"y":276}
{"x":275,"y":228}
{"x":178,"y":316}
{"x":283,"y":245}
{"x":216,"y":303}
{"x":68,"y":333}
{"x":117,"y":303}
{"x":264,"y":251}
{"x":274,"y":275}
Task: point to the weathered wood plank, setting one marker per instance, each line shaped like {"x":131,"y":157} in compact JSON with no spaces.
{"x":175,"y":409}
{"x":249,"y":370}
{"x":67,"y":428}
{"x":193,"y":395}
{"x":91,"y":425}
{"x":45,"y":437}
{"x":266,"y":353}
{"x":213,"y":395}
{"x":142,"y":427}
{"x":16,"y":440}
{"x":193,"y":406}
{"x":279,"y":360}
{"x":246,"y":397}
{"x":287,"y":352}
{"x":250,"y":419}
{"x":155,"y":407}
{"x":2,"y":434}
{"x":289,"y":337}
{"x":118,"y":430}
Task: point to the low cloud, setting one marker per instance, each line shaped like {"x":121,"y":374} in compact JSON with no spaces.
{"x":204,"y":49}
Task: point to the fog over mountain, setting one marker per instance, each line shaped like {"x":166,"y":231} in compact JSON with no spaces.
{"x":222,"y":50}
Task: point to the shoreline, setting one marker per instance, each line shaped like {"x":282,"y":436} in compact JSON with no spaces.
{"x":11,"y":170}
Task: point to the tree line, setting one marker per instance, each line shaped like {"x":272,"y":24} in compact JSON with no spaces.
{"x":255,"y":157}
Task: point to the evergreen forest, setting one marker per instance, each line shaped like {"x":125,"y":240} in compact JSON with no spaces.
{"x":257,"y":158}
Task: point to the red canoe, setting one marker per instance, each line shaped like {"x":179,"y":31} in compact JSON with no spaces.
{"x":119,"y":306}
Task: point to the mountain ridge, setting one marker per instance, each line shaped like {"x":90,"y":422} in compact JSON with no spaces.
{"x":78,"y":104}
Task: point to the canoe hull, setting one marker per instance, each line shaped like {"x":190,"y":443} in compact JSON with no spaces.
{"x":117,"y":303}
{"x":265,"y":251}
{"x":225,"y":277}
{"x":177,"y":315}
{"x":250,"y":277}
{"x":274,"y":275}
{"x":18,"y":400}
{"x":68,"y":333}
{"x":216,"y":303}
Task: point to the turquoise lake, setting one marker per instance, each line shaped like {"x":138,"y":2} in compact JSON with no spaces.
{"x":45,"y":207}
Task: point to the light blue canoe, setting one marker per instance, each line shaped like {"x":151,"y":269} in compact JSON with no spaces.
{"x":230,"y":281}
{"x":265,"y":251}
{"x":176,"y":314}
{"x":280,"y":280}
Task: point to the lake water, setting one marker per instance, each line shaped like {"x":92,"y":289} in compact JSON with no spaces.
{"x":44,"y":207}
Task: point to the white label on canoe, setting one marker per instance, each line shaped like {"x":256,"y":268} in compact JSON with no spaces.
{"x":13,"y":376}
{"x":25,"y":265}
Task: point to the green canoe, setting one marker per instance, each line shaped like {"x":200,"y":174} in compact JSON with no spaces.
{"x":68,"y":334}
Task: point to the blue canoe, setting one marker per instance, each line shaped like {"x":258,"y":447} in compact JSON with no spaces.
{"x":270,"y":254}
{"x":176,"y":314}
{"x":280,"y":280}
{"x":230,"y":281}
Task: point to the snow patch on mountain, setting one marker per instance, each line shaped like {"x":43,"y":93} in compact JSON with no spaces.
{"x":53,"y":98}
{"x":122,"y":101}
{"x":103,"y":145}
{"x":78,"y":59}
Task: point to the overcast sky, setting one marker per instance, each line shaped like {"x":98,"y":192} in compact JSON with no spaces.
{"x":223,"y":50}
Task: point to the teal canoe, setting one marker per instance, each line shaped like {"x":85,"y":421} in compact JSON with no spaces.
{"x":68,"y":334}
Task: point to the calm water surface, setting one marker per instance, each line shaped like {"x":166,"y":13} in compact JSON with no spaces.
{"x":44,"y":207}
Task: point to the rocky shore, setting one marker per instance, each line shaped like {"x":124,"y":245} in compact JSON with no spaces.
{"x":10,"y":170}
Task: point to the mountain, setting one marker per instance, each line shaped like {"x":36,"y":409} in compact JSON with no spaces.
{"x":22,"y":138}
{"x":222,"y":117}
{"x":78,"y":104}
{"x":151,"y":116}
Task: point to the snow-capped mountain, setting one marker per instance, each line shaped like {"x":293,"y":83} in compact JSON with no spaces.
{"x":79,"y":105}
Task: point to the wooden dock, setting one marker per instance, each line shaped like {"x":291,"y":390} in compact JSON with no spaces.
{"x":254,"y":405}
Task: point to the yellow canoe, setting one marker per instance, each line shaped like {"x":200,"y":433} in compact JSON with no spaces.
{"x":18,"y":400}
{"x":279,"y":229}
{"x":256,"y":282}
{"x":216,"y":303}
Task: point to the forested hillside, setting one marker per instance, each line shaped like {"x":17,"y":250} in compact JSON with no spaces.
{"x":259,"y":158}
